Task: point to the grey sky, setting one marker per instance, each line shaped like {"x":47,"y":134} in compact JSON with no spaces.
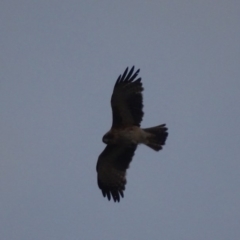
{"x":59,"y":62}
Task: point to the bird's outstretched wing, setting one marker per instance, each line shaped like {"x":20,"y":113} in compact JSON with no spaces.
{"x":111,"y":168}
{"x":127,"y":100}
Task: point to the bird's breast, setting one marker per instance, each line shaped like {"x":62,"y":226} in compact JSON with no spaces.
{"x":129,"y":135}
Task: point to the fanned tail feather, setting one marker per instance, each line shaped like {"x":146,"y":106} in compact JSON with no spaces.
{"x":157,"y":137}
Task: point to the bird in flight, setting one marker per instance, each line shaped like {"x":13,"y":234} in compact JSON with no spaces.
{"x":125,"y":135}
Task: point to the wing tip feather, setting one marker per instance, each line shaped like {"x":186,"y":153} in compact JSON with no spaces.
{"x":128,"y":76}
{"x":114,"y":194}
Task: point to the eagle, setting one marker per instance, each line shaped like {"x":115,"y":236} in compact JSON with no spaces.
{"x":125,"y":135}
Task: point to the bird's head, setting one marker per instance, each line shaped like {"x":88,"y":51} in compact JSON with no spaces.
{"x":108,"y":138}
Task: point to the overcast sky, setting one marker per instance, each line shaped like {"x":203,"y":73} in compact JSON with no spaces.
{"x":59,"y":62}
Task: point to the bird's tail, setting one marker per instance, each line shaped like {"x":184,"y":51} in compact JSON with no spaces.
{"x":156,"y":136}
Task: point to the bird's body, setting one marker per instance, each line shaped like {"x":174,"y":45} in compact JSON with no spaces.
{"x":125,"y":135}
